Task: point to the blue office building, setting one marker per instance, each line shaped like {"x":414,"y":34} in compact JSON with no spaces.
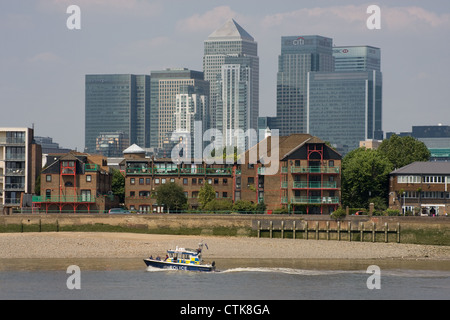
{"x":299,"y":55}
{"x":344,"y":108}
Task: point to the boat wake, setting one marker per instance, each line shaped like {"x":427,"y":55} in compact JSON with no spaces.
{"x":285,"y":271}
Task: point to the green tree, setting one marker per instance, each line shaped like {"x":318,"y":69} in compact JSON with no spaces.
{"x":37,"y":186}
{"x":244,"y":206}
{"x":206,"y":195}
{"x":172,"y":196}
{"x":402,"y":151}
{"x":218,"y":206}
{"x":118,"y":185}
{"x":365,"y":175}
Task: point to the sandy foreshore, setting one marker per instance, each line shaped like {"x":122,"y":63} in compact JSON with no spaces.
{"x":128,"y":245}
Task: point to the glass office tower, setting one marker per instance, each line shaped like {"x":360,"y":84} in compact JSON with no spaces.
{"x":231,"y":40}
{"x":357,"y":58}
{"x":119,"y":103}
{"x":165,"y":86}
{"x":344,"y":108}
{"x":299,"y":55}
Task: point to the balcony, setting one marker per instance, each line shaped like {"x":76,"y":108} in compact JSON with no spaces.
{"x":192,"y":171}
{"x":218,"y":171}
{"x":12,"y":141}
{"x":14,"y":187}
{"x":15,"y":172}
{"x":314,"y":185}
{"x":12,"y":202}
{"x":90,"y":167}
{"x":15,"y":156}
{"x":322,"y":169}
{"x":138,"y":171}
{"x":64,"y":199}
{"x":315,"y":200}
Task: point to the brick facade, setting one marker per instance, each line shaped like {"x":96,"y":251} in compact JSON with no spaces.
{"x":307,"y":178}
{"x":421,"y":188}
{"x":75,"y":182}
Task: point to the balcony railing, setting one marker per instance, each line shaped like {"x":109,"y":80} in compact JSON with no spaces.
{"x":314,"y":185}
{"x":64,"y":199}
{"x":14,"y":172}
{"x":315,"y":200}
{"x":322,"y":169}
{"x":12,"y":201}
{"x":15,"y":186}
{"x":181,"y":171}
{"x":15,"y":156}
{"x":91,"y":167}
{"x":12,"y":141}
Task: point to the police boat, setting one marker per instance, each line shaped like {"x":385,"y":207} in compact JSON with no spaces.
{"x":182,"y":259}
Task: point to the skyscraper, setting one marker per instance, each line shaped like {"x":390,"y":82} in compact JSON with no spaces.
{"x":119,"y":103}
{"x":165,"y":86}
{"x":357,"y":58}
{"x":299,"y":55}
{"x":231,"y":40}
{"x":234,"y":102}
{"x":345,"y":106}
{"x":191,"y":107}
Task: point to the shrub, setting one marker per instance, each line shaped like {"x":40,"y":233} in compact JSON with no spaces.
{"x":339,"y":214}
{"x":218,"y":206}
{"x":393,"y":212}
{"x":244,"y":206}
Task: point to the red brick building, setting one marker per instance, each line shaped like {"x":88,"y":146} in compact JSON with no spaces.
{"x":306,"y":179}
{"x":75,"y":182}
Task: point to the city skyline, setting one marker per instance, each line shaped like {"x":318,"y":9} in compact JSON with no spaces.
{"x":43,"y":64}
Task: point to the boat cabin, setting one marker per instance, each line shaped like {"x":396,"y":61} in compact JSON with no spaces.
{"x":182,"y":255}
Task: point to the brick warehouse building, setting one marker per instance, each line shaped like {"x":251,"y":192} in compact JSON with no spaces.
{"x":307,"y":178}
{"x":75,"y":182}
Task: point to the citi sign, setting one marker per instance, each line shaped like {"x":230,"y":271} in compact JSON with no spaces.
{"x":300,"y":41}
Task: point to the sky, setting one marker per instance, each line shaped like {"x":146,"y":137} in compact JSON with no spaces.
{"x":43,"y":63}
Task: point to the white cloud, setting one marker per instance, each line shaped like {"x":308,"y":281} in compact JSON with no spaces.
{"x":208,"y":21}
{"x":400,"y":18}
{"x":119,"y":7}
{"x":46,"y":57}
{"x":353,"y":18}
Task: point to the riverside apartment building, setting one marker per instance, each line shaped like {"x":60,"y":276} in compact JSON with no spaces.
{"x":306,"y":179}
{"x":20,"y":165}
{"x":75,"y":183}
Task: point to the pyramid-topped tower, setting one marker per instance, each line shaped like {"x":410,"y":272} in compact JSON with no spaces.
{"x":230,"y":48}
{"x":230,"y":30}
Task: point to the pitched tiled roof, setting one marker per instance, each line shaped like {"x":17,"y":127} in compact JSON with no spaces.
{"x":440,"y":168}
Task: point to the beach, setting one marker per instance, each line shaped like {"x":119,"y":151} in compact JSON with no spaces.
{"x":59,"y":245}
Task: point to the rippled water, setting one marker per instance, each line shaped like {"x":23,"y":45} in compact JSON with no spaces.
{"x":240,"y":279}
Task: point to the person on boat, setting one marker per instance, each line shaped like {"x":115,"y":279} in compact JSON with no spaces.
{"x":167,"y":257}
{"x":151,"y":257}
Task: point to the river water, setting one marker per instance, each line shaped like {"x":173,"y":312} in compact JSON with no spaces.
{"x":238,"y":279}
